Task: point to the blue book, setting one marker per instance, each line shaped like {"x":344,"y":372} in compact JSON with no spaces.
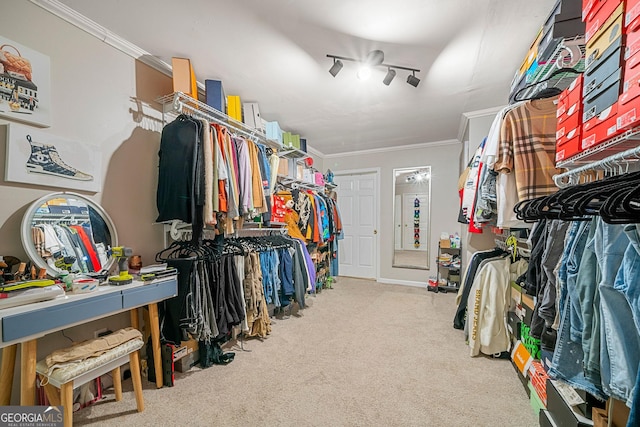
{"x":214,"y":94}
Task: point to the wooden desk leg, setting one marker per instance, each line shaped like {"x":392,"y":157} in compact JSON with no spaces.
{"x":66,"y":393}
{"x":28,"y":358}
{"x":155,"y":341}
{"x":6,"y":373}
{"x":117,"y":383}
{"x":135,"y":322}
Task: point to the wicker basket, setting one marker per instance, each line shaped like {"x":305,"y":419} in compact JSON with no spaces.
{"x":15,"y":64}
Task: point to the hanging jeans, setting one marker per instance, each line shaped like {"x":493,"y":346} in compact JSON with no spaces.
{"x":586,"y":329}
{"x":620,"y":352}
{"x":285,"y":273}
{"x":568,"y":355}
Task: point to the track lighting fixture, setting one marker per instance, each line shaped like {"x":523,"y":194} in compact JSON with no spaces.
{"x":413,"y":80}
{"x":390,"y":76}
{"x":375,"y":58}
{"x":336,"y":67}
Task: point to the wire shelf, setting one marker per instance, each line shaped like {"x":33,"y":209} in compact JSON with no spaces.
{"x":296,"y":183}
{"x":180,"y":103}
{"x":602,"y":152}
{"x":568,"y":54}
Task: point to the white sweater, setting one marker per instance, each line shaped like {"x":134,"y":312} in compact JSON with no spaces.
{"x":488,"y":305}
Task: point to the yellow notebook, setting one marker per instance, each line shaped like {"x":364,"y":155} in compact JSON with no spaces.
{"x":184,"y":78}
{"x":234,"y":107}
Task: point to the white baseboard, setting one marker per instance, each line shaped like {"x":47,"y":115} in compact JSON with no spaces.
{"x":402,"y":282}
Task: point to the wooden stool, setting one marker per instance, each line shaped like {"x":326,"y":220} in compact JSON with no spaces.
{"x":77,"y":374}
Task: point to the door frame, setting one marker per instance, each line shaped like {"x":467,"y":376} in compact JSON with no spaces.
{"x":366,"y":171}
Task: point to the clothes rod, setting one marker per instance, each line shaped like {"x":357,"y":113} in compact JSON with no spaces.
{"x":608,"y":162}
{"x":181,"y":106}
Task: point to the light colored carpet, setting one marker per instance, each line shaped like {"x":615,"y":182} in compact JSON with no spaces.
{"x":364,"y":354}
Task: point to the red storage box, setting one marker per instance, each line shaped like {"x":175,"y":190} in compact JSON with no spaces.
{"x":600,"y":128}
{"x":539,"y":377}
{"x":595,"y":13}
{"x":569,"y":145}
{"x":632,"y":13}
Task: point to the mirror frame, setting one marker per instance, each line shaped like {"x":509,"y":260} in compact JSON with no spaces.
{"x":25,"y":228}
{"x":396,"y":172}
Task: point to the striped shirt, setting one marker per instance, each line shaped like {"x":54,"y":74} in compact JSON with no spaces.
{"x":527,"y":147}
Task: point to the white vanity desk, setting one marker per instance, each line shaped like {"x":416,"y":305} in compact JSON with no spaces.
{"x":24,"y":324}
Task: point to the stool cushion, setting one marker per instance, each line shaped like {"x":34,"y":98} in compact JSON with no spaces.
{"x":66,"y":372}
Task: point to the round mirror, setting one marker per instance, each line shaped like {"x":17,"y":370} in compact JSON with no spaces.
{"x":67,"y":231}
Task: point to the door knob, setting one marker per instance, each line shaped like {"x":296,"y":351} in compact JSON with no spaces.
{"x":375,"y":231}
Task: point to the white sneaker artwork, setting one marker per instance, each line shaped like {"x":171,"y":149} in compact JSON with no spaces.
{"x":45,"y":159}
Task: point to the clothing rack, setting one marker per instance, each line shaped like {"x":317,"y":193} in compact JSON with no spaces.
{"x":181,"y":103}
{"x":615,"y":164}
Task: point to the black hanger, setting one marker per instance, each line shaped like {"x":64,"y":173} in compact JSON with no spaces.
{"x":547,"y":91}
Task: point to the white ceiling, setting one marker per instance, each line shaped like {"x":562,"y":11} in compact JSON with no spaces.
{"x":274,"y":52}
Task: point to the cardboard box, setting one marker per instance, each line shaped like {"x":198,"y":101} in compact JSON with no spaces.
{"x":295,"y":141}
{"x":618,"y":411}
{"x":599,"y":417}
{"x":521,"y":358}
{"x":187,"y":362}
{"x":631,"y":13}
{"x":604,"y":35}
{"x":603,"y":67}
{"x":597,"y":14}
{"x":569,"y":145}
{"x":445,"y":243}
{"x":283,"y":167}
{"x":185,"y":348}
{"x":604,"y":96}
{"x":562,"y":401}
{"x":252,"y":117}
{"x":538,"y":377}
{"x":513,"y":325}
{"x":184,"y":78}
{"x":546,"y":420}
{"x":534,"y":400}
{"x":274,"y":132}
{"x":287,"y":139}
{"x":600,"y":128}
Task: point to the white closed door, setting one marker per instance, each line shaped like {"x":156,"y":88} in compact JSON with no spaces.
{"x":358,"y":204}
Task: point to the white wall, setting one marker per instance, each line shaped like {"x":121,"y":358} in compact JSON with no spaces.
{"x":94,"y":89}
{"x":444,"y":160}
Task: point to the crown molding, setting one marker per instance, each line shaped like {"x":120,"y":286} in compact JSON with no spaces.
{"x":393,"y":149}
{"x":316,"y":152}
{"x":80,"y":21}
{"x":464,"y":120}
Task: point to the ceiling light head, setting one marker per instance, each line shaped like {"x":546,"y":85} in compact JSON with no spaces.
{"x":413,"y":80}
{"x":364,"y":72}
{"x":389,"y":77}
{"x":375,"y":58}
{"x":336,"y":67}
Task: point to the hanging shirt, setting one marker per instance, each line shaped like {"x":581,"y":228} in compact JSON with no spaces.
{"x":527,"y":147}
{"x":177,"y":178}
{"x":244,"y":176}
{"x":208,"y":163}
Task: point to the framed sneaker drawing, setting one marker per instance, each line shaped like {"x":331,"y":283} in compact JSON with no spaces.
{"x":25,"y":84}
{"x":38,"y":158}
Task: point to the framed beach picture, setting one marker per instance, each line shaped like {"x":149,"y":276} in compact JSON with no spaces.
{"x":25,"y":84}
{"x":38,"y":158}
